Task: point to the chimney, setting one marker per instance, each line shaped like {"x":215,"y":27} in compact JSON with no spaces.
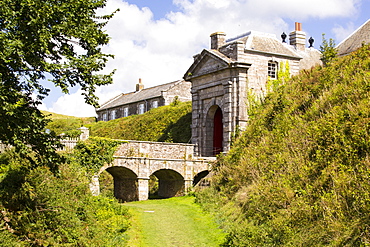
{"x":217,"y":40}
{"x":297,"y":38}
{"x":139,"y":86}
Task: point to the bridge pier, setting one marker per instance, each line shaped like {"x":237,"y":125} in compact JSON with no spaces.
{"x":188,"y":185}
{"x":143,"y":188}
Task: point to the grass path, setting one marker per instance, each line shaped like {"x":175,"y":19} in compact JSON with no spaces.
{"x":172,"y":222}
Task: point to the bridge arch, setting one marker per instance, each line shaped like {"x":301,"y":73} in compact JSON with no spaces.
{"x":198,"y":177}
{"x":125,"y":183}
{"x":170,"y":183}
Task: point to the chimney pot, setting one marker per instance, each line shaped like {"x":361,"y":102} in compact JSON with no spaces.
{"x":139,"y":86}
{"x":298,"y":26}
{"x":297,"y":38}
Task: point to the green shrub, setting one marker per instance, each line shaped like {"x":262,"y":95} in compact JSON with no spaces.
{"x":39,"y":209}
{"x":95,"y":152}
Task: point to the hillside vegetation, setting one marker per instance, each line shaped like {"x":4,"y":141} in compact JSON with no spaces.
{"x":299,"y":175}
{"x":164,"y":124}
{"x":66,"y":124}
{"x":39,"y":208}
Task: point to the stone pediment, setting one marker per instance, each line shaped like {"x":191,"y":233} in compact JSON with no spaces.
{"x":207,"y":62}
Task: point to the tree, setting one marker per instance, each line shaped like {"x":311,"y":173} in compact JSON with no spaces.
{"x":328,"y":50}
{"x":40,"y":39}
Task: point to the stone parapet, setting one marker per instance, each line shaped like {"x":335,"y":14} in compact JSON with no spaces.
{"x":159,"y":150}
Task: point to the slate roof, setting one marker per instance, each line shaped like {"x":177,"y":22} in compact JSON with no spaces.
{"x":355,"y":40}
{"x":144,"y":94}
{"x":266,"y":43}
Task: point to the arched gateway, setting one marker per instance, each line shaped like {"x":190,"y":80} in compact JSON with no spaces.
{"x":135,"y":161}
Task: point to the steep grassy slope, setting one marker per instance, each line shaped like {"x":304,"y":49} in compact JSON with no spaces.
{"x":66,"y":124}
{"x":300,"y":173}
{"x":167,"y":123}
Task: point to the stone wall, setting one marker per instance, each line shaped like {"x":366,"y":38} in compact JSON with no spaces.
{"x":158,"y":150}
{"x":257,"y":73}
{"x":181,"y":91}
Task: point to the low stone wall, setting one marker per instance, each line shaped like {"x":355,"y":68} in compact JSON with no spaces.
{"x":157,"y":150}
{"x":68,"y":144}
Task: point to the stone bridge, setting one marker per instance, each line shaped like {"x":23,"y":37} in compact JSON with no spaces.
{"x":174,"y":165}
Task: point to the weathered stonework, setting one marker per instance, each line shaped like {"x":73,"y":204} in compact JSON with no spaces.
{"x":135,"y":161}
{"x":222,"y":78}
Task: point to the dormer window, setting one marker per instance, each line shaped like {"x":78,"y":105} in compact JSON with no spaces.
{"x":272,"y":70}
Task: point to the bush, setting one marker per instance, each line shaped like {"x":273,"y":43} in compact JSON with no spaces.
{"x":39,"y":209}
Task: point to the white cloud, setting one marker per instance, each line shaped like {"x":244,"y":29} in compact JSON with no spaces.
{"x":160,"y":51}
{"x":341,"y":32}
{"x":72,"y":105}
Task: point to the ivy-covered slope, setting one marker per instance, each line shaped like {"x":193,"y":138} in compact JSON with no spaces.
{"x":300,"y":173}
{"x":167,"y":123}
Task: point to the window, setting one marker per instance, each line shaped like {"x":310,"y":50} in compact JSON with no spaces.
{"x":155,"y":104}
{"x":272,"y":70}
{"x":113,"y":114}
{"x":104,"y":116}
{"x":125,"y":112}
{"x":141,"y":108}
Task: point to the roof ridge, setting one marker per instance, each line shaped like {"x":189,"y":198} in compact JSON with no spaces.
{"x":111,"y":100}
{"x":358,"y":29}
{"x":251,"y":33}
{"x":160,"y":85}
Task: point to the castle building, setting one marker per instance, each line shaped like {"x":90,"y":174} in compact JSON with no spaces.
{"x":143,"y":99}
{"x":222,"y":76}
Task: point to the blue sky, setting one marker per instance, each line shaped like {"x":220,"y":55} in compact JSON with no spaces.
{"x":156,"y":39}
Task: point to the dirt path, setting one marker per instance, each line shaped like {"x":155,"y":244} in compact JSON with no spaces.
{"x":172,"y":222}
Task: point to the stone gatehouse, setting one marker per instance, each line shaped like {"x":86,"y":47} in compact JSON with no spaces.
{"x":223,"y":75}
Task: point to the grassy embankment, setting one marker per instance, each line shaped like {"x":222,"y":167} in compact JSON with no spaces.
{"x":300,"y":173}
{"x":167,"y":123}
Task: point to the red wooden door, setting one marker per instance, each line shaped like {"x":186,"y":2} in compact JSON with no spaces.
{"x":218,"y":131}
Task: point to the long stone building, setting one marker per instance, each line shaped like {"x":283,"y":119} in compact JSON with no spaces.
{"x":223,"y":75}
{"x":143,"y":99}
